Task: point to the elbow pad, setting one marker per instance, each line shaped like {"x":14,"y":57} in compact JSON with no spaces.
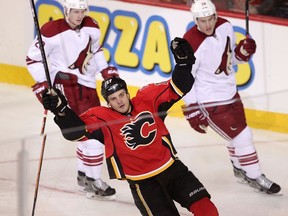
{"x":71,"y":125}
{"x":183,"y":78}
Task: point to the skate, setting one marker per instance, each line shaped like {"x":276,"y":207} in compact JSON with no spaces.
{"x":240,"y":175}
{"x":98,"y":189}
{"x":81,"y":181}
{"x":263,"y":184}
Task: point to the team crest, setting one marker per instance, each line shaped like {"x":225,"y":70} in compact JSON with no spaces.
{"x":83,"y":59}
{"x":140,"y":132}
{"x":226,"y":61}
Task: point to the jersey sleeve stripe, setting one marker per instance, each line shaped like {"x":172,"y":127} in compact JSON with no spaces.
{"x":176,"y":89}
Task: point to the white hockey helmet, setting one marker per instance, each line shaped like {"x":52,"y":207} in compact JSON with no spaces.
{"x":75,"y":4}
{"x":202,"y":8}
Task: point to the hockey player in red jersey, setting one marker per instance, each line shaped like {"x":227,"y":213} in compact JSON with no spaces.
{"x":214,"y":99}
{"x":72,"y":46}
{"x":138,"y":146}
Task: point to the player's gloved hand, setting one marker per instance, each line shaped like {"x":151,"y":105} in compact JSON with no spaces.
{"x":109,"y":72}
{"x":245,"y":49}
{"x":182,"y":51}
{"x":197,"y":120}
{"x":38,"y":89}
{"x":54,"y":101}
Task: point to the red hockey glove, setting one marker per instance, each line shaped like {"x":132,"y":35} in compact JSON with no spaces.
{"x":38,"y":89}
{"x":245,"y":49}
{"x":196,"y":119}
{"x":109,"y":72}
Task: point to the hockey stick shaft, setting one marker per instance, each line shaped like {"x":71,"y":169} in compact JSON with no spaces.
{"x":44,"y":59}
{"x":247,"y":18}
{"x":44,"y":121}
{"x":41,"y":45}
{"x":39,"y":173}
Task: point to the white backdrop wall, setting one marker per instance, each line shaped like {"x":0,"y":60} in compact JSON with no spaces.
{"x":136,"y":39}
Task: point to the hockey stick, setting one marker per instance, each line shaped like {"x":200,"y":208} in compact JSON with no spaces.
{"x":44,"y":60}
{"x":45,"y":64}
{"x":41,"y":46}
{"x":247,"y":18}
{"x":44,"y":122}
{"x":38,"y":174}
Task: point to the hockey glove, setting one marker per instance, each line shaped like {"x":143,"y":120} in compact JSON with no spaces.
{"x":54,"y":101}
{"x":182,"y":51}
{"x":109,"y":72}
{"x":245,"y":49}
{"x":197,"y":120}
{"x":38,"y":89}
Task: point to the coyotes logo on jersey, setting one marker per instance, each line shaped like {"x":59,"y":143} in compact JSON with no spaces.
{"x":83,"y":59}
{"x":226,"y":61}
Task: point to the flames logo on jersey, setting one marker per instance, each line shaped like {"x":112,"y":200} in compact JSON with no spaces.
{"x":141,"y":131}
{"x":83,"y":59}
{"x":226,"y":61}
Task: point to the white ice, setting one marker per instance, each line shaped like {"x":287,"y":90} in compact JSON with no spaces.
{"x":206,"y":155}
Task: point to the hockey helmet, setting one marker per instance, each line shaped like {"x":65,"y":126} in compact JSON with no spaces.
{"x":75,"y":4}
{"x":202,"y":8}
{"x":112,"y":85}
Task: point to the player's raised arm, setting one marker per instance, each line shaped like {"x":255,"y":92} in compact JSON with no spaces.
{"x":184,"y":57}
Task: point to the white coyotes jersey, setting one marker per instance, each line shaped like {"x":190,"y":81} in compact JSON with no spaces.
{"x":213,"y":69}
{"x":72,"y":51}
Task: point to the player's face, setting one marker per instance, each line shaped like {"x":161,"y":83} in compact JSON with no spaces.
{"x":207,"y":24}
{"x":76,"y":17}
{"x":120,"y":101}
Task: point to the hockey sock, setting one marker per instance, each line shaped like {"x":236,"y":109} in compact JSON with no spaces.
{"x":93,"y":158}
{"x":246,"y":153}
{"x":204,"y":207}
{"x":80,"y":163}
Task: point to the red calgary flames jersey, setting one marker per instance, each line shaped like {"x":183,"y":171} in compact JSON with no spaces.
{"x":137,"y":145}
